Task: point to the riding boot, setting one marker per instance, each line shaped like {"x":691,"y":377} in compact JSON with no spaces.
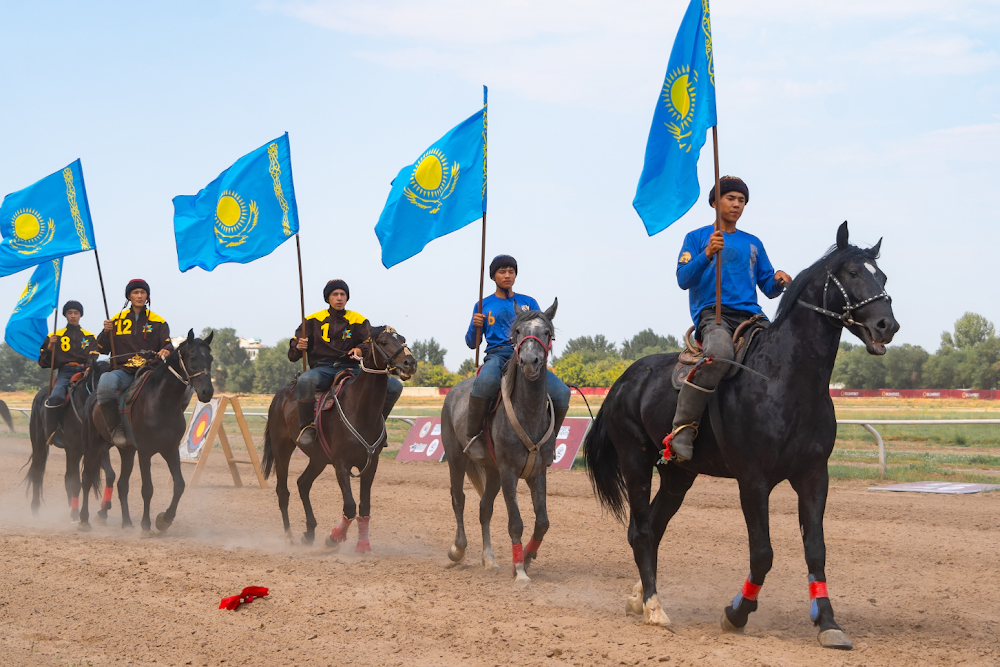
{"x":307,"y":415}
{"x":109,"y":409}
{"x":53,"y":427}
{"x":691,"y":404}
{"x":476,"y":449}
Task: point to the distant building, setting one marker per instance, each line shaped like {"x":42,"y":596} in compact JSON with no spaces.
{"x":252,"y":346}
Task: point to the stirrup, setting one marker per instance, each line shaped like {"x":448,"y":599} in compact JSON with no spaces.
{"x":305,"y":428}
{"x":119,"y":431}
{"x":668,"y":455}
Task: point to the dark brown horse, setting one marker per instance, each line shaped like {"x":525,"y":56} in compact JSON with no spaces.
{"x":157,"y":428}
{"x":73,"y":428}
{"x":354,"y":433}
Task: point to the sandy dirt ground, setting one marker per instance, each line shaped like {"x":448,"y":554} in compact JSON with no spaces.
{"x":914,"y":580}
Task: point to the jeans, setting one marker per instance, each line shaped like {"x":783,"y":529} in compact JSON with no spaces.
{"x":61,"y":386}
{"x":111,"y":384}
{"x":321,"y":377}
{"x":487,"y":383}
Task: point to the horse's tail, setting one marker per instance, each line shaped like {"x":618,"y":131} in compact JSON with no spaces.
{"x":268,"y":460}
{"x":477,"y":476}
{"x":36,"y":469}
{"x":5,"y":414}
{"x":604,"y":468}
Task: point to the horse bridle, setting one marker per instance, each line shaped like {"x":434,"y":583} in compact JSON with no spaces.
{"x":389,"y":369}
{"x":546,"y":348}
{"x":846,"y":318}
{"x":180,"y":359}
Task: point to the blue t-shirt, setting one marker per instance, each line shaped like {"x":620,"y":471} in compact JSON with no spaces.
{"x":500,"y":314}
{"x":745,"y":267}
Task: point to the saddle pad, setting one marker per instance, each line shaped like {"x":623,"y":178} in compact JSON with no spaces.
{"x":137,"y":382}
{"x":683,"y":367}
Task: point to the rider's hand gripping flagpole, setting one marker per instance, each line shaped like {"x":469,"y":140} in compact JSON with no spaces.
{"x":718,"y":226}
{"x":482,"y":255}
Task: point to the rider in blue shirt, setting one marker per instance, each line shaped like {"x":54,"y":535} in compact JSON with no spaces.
{"x":745,"y":267}
{"x":499,"y":311}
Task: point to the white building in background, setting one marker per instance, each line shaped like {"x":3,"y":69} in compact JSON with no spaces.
{"x":251,"y":345}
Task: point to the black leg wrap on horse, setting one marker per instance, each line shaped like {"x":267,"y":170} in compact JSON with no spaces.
{"x":307,"y":431}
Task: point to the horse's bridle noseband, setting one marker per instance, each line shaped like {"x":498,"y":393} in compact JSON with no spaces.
{"x":846,"y":318}
{"x":546,"y":348}
{"x":189,"y":376}
{"x":375,"y":345}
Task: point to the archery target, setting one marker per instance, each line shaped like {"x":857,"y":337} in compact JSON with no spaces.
{"x":197,"y":430}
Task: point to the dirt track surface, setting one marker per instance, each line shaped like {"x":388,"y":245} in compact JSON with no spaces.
{"x":913,"y":579}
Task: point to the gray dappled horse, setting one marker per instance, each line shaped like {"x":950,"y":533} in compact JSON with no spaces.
{"x":525,"y":384}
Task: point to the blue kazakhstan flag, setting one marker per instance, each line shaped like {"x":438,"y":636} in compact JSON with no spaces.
{"x":243,"y":215}
{"x":444,"y":190}
{"x":668,"y":186}
{"x":45,"y":221}
{"x":28,"y":326}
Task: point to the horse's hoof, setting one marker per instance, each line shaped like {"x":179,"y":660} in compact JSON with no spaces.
{"x":84,"y":527}
{"x":333,"y":544}
{"x":161,"y":522}
{"x":128,"y":525}
{"x":835,"y":639}
{"x":455,"y":554}
{"x":289,"y":539}
{"x":520,"y":576}
{"x":101,"y":519}
{"x":74,"y":515}
{"x":146,"y":534}
{"x":727,"y":625}
{"x":633,"y":606}
{"x":653,"y":613}
{"x":364,"y":546}
{"x":307,"y":539}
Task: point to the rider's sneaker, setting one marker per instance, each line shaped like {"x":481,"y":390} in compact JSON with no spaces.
{"x":476,"y":450}
{"x":118,"y":438}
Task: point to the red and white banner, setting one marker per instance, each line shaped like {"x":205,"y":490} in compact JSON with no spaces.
{"x":983,"y":394}
{"x":423,"y":442}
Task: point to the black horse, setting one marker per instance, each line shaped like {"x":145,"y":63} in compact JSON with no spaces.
{"x":764,"y":431}
{"x":157,"y":424}
{"x":354,"y":438}
{"x":74,"y":414}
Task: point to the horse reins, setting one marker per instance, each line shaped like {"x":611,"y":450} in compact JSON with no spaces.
{"x":177,"y":375}
{"x":846,"y":318}
{"x":546,"y":348}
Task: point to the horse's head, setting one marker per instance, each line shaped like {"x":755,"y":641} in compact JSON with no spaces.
{"x":195,"y":356}
{"x":531,"y":335}
{"x":389,"y":347}
{"x":851,"y":289}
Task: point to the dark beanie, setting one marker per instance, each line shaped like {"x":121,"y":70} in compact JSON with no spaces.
{"x":136,"y":283}
{"x":729,"y":184}
{"x":502,"y":262}
{"x":336,"y":284}
{"x":73,"y":304}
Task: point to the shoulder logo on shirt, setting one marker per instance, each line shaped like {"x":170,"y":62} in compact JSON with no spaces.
{"x":85,"y":343}
{"x":753,"y":258}
{"x":685,"y":257}
{"x":524,"y":308}
{"x":347,"y":334}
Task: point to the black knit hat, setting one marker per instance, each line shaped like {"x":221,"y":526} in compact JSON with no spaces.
{"x":502,"y":262}
{"x":729,"y":184}
{"x":136,"y":283}
{"x":73,"y":304}
{"x":336,"y":283}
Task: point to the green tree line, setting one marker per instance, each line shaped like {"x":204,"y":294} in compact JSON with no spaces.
{"x":968,"y":357}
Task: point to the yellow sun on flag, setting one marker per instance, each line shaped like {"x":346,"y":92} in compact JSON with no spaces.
{"x":27,"y":224}
{"x":429,"y":173}
{"x":230,"y":209}
{"x":679,"y":94}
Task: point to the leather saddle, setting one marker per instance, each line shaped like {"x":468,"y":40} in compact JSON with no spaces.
{"x":692,"y":354}
{"x":324,"y":398}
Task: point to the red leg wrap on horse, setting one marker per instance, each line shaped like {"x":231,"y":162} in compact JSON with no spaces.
{"x":817,"y":589}
{"x":339,"y":533}
{"x":532,"y":547}
{"x":74,"y":503}
{"x":750,"y":590}
{"x":363,"y":544}
{"x":518,"y":554}
{"x":107,"y":493}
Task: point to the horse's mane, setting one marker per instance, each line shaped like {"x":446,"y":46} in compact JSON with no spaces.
{"x":527,"y":316}
{"x":832,"y":260}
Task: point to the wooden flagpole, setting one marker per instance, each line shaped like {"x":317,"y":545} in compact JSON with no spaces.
{"x":52,"y":346}
{"x":482,"y":255}
{"x":302,"y":299}
{"x":718,"y":226}
{"x":107,"y":314}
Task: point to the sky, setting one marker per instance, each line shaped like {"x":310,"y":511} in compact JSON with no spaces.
{"x":885,"y":114}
